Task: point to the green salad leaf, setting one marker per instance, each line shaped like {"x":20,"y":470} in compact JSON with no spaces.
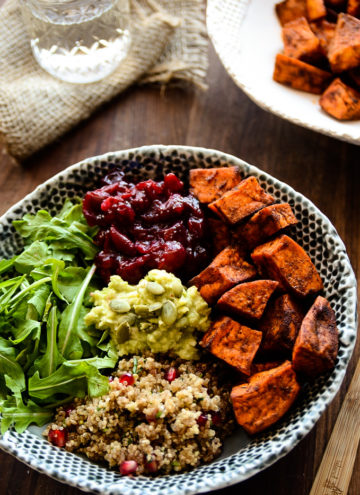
{"x":48,"y":355}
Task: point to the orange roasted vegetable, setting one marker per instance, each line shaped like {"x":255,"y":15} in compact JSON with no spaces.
{"x":315,"y":9}
{"x":325,"y":31}
{"x":341,"y":101}
{"x":289,"y":10}
{"x":219,"y":234}
{"x":300,"y":75}
{"x":242,"y":201}
{"x":236,"y":344}
{"x":209,"y":184}
{"x":265,"y":399}
{"x":248,"y":299}
{"x":344,"y":50}
{"x":268,"y":365}
{"x":228,"y":269}
{"x":266,"y":223}
{"x":353,"y":8}
{"x":280,"y":324}
{"x":316,"y":345}
{"x":282,"y":259}
{"x":300,"y":41}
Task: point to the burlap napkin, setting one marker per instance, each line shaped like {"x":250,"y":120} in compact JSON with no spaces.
{"x":169,"y":42}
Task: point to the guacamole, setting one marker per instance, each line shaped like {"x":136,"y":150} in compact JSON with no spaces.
{"x":158,"y":314}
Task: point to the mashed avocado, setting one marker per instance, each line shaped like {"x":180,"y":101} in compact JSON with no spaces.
{"x":159,"y":314}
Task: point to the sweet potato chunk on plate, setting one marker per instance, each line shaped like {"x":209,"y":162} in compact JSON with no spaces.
{"x":242,"y":201}
{"x":248,"y":299}
{"x":316,"y":345}
{"x":228,"y":269}
{"x":232,"y":342}
{"x":289,"y":10}
{"x":280,"y":324}
{"x":282,"y":259}
{"x":265,"y":399}
{"x":344,"y":50}
{"x":353,"y":8}
{"x":300,"y":41}
{"x":325,"y":31}
{"x":264,"y":366}
{"x":220,"y":234}
{"x":315,"y":9}
{"x":341,"y":101}
{"x":209,"y":184}
{"x":266,"y":223}
{"x":300,"y":75}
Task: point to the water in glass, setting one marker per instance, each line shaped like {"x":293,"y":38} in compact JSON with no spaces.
{"x":79,"y":41}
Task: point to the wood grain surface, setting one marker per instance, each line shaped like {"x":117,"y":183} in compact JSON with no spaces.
{"x":325,"y":170}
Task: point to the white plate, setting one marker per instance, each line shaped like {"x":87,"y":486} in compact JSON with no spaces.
{"x":247,"y":36}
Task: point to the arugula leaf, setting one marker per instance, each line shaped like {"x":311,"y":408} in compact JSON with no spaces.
{"x":15,"y":412}
{"x":52,"y":358}
{"x":34,"y":255}
{"x":77,"y":379}
{"x":10,"y":367}
{"x":69,"y":338}
{"x":26,"y":329}
{"x":39,"y":299}
{"x":5,"y":265}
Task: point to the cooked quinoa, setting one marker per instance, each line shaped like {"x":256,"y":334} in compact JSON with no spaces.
{"x":162,"y":422}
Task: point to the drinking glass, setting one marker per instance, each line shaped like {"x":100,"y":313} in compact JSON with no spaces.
{"x":78,"y":41}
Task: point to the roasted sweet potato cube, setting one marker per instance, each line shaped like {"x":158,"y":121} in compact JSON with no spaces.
{"x":268,"y":365}
{"x":219,"y":234}
{"x":280,"y":324}
{"x":300,"y":41}
{"x":353,"y":8}
{"x":290,"y":10}
{"x":344,"y":50}
{"x":316,"y":345}
{"x":232,"y":342}
{"x":209,"y":184}
{"x":266,"y":223}
{"x":228,"y":269}
{"x":325,"y":31}
{"x":300,"y":75}
{"x":315,"y":9}
{"x":242,"y":201}
{"x":341,"y":101}
{"x":248,"y":299}
{"x":282,"y":259}
{"x":265,"y":399}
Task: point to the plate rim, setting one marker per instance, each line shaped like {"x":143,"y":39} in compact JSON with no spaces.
{"x":7,"y":441}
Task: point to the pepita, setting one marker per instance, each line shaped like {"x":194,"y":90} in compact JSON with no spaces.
{"x":169,"y":312}
{"x":155,"y":307}
{"x":177,"y":287}
{"x":155,"y":288}
{"x":119,"y":306}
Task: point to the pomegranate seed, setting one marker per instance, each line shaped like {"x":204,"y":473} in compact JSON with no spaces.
{"x":58,"y":437}
{"x":171,"y":374}
{"x":127,"y":379}
{"x":128,"y":467}
{"x":68,"y":410}
{"x":151,"y":466}
{"x":215,"y":418}
{"x":202,"y":419}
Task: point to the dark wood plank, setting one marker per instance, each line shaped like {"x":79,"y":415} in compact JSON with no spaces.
{"x":325,"y":170}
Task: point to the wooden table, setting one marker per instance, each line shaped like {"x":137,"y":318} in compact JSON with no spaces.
{"x":325,"y":170}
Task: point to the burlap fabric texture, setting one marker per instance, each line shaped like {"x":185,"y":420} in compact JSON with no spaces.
{"x":168,"y":42}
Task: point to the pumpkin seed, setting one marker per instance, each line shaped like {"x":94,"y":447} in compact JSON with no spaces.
{"x":177,"y":287}
{"x":155,"y":288}
{"x":141,"y":309}
{"x":120,"y":306}
{"x":122,"y":335}
{"x":155,"y":306}
{"x":169,"y":312}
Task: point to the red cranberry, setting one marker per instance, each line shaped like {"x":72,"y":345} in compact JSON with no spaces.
{"x":128,"y":467}
{"x":122,"y":243}
{"x":171,"y":374}
{"x":202,"y":419}
{"x":68,"y":410}
{"x":127,"y":378}
{"x":215,"y":418}
{"x":58,"y":437}
{"x":151,"y":466}
{"x":172,"y":183}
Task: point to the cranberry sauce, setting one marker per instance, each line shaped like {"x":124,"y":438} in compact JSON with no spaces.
{"x":144,"y":226}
